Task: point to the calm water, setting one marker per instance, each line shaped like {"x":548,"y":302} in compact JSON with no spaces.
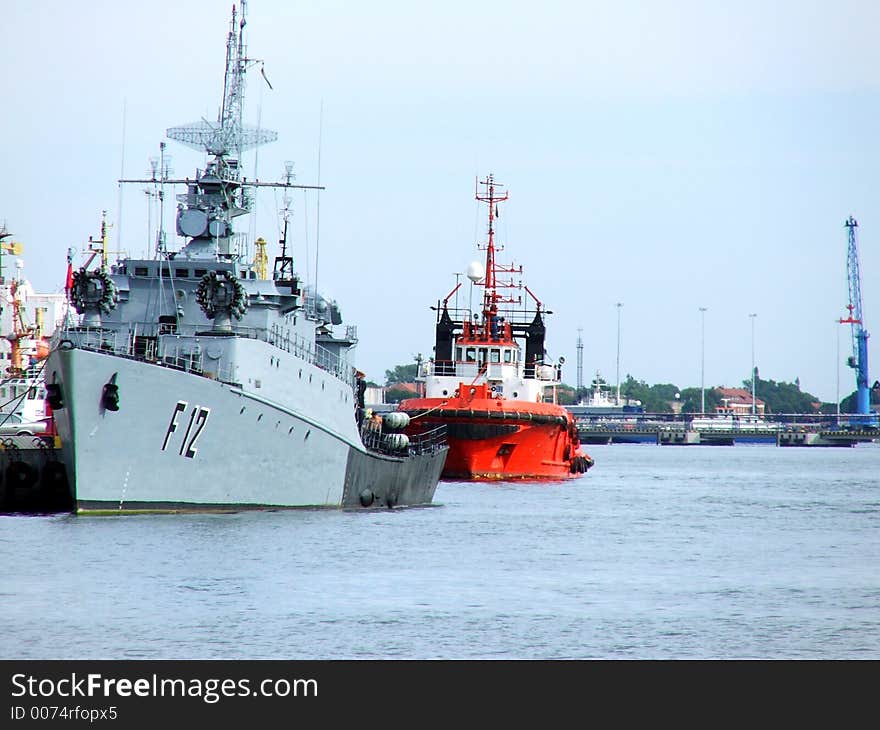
{"x":658,"y":552}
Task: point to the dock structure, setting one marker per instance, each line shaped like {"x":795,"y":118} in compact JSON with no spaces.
{"x":33,"y":479}
{"x":677,"y":431}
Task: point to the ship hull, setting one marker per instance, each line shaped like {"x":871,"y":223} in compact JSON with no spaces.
{"x":182,"y":441}
{"x":503,"y":440}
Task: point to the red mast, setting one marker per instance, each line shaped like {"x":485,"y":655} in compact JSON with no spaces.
{"x":491,"y":195}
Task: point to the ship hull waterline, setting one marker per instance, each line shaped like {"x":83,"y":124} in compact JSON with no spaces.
{"x":159,"y":452}
{"x":501,"y":441}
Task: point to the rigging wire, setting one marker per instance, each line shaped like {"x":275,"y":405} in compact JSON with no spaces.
{"x":318,"y":204}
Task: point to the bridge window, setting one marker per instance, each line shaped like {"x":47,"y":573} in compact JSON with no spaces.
{"x":181,"y":273}
{"x":458,"y":354}
{"x":494,"y":355}
{"x":470,"y":354}
{"x":507,"y":356}
{"x":483,"y":353}
{"x":141,"y":271}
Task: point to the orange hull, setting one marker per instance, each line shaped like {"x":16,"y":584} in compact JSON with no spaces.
{"x":496,"y":439}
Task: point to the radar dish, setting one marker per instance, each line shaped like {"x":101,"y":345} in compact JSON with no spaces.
{"x":475,"y":271}
{"x":218,"y":228}
{"x":218,"y":140}
{"x":192,"y":222}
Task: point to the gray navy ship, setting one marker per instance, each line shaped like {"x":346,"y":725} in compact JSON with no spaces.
{"x":188,"y":381}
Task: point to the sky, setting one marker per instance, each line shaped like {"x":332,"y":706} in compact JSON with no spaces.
{"x":667,"y":156}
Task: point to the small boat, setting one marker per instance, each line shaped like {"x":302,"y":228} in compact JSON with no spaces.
{"x":601,"y":401}
{"x":732,"y":422}
{"x":23,"y":407}
{"x":496,"y":397}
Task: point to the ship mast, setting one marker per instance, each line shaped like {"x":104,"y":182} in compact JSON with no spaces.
{"x":229,"y":137}
{"x":489,"y":196}
{"x":492,"y":196}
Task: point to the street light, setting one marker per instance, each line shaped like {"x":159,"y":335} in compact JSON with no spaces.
{"x":752,"y":317}
{"x":837,"y":371}
{"x":702,"y":360}
{"x":619,"y":305}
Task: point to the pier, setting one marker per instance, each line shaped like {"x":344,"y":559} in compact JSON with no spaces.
{"x":788,"y":430}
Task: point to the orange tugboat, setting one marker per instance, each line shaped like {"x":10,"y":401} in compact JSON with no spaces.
{"x":498,"y":402}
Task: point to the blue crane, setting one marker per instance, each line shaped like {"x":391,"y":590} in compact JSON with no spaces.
{"x":859,"y":358}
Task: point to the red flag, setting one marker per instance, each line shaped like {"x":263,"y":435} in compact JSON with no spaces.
{"x":68,"y":285}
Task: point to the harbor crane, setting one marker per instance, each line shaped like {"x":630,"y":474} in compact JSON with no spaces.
{"x":859,"y":358}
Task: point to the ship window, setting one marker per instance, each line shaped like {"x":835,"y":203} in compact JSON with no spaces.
{"x":243,"y":274}
{"x":470,"y":354}
{"x":141,"y":271}
{"x":458,"y":354}
{"x":199,"y":273}
{"x":495,"y":355}
{"x":483,"y":353}
{"x":181,"y":273}
{"x":507,"y":355}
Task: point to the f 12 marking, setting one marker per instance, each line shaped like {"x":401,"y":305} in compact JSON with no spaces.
{"x":198,"y":417}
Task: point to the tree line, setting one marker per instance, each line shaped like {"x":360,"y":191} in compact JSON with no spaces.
{"x":778,"y":397}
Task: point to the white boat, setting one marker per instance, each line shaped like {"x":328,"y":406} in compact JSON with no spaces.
{"x":23,"y":408}
{"x":732,"y":422}
{"x":603,"y":401}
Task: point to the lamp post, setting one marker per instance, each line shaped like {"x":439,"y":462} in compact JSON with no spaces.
{"x":837,"y":372}
{"x":752,"y":317}
{"x":619,"y":305}
{"x":702,"y":360}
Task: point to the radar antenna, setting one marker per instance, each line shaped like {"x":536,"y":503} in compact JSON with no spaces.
{"x":283,"y":269}
{"x":228,"y":137}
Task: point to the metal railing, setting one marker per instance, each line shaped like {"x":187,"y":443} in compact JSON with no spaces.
{"x":131,"y":344}
{"x":425,"y":442}
{"x":470,"y":369}
{"x":770,"y":422}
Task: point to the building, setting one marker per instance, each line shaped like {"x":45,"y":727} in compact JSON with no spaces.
{"x":738,"y":402}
